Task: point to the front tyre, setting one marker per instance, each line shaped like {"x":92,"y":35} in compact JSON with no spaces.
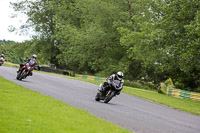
{"x":18,"y":75}
{"x":109,"y":97}
{"x":97,"y":97}
{"x":23,"y":75}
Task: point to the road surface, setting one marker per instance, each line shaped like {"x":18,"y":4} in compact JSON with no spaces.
{"x":130,"y":112}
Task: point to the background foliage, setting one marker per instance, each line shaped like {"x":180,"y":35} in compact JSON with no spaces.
{"x":149,"y":40}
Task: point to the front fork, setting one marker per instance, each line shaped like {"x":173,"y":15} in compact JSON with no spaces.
{"x":100,"y":87}
{"x":108,"y":93}
{"x":27,"y":73}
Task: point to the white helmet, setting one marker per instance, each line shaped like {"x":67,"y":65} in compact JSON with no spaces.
{"x":120,"y":75}
{"x":34,"y":56}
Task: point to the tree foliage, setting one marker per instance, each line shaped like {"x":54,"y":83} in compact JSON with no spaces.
{"x":146,"y":39}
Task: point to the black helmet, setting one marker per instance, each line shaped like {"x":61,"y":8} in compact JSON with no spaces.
{"x":120,"y":75}
{"x":34,"y":56}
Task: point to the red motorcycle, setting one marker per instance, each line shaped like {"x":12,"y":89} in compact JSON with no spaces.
{"x":25,"y":70}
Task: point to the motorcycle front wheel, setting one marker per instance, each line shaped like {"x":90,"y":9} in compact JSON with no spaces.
{"x":23,"y":74}
{"x":18,"y":75}
{"x":97,"y":97}
{"x":109,"y":97}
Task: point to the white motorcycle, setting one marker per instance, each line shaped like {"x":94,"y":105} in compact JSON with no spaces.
{"x":109,"y":93}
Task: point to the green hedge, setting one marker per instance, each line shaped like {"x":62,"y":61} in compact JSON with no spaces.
{"x":141,"y":85}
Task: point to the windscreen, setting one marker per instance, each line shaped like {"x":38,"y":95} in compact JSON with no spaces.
{"x":32,"y":62}
{"x":117,"y":82}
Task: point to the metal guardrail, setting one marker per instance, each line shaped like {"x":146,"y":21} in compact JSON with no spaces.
{"x":58,"y":71}
{"x":182,"y":94}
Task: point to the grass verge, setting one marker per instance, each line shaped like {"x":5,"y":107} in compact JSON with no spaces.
{"x":26,"y":111}
{"x":181,"y":104}
{"x":8,"y":64}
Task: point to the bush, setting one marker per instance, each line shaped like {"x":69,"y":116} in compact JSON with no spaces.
{"x":162,"y":88}
{"x":169,"y":82}
{"x":141,"y":85}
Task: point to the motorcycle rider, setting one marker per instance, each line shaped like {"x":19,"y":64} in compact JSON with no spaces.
{"x":107,"y":84}
{"x":2,"y":57}
{"x":27,"y":60}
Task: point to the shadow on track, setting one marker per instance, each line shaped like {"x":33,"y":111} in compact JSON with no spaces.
{"x":24,"y":81}
{"x":106,"y":103}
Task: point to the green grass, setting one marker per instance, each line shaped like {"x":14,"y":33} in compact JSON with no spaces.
{"x":26,"y":111}
{"x":8,"y":64}
{"x":181,"y":104}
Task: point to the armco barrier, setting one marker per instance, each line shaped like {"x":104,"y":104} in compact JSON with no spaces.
{"x":195,"y":96}
{"x":58,"y":71}
{"x":183,"y":94}
{"x":95,"y":78}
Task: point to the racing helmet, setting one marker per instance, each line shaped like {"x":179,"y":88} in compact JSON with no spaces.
{"x":120,"y":75}
{"x":34,"y":56}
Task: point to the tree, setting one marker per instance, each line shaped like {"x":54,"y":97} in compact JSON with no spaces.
{"x":90,"y":41}
{"x":40,"y":16}
{"x":160,"y":38}
{"x":150,"y":39}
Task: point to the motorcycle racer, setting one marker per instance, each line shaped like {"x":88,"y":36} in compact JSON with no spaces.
{"x":2,"y":57}
{"x":32,"y":61}
{"x":106,"y":85}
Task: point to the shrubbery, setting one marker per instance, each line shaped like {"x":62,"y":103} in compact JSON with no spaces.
{"x":141,"y":85}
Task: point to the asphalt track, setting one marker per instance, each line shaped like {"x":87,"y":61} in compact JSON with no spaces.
{"x":130,"y":112}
